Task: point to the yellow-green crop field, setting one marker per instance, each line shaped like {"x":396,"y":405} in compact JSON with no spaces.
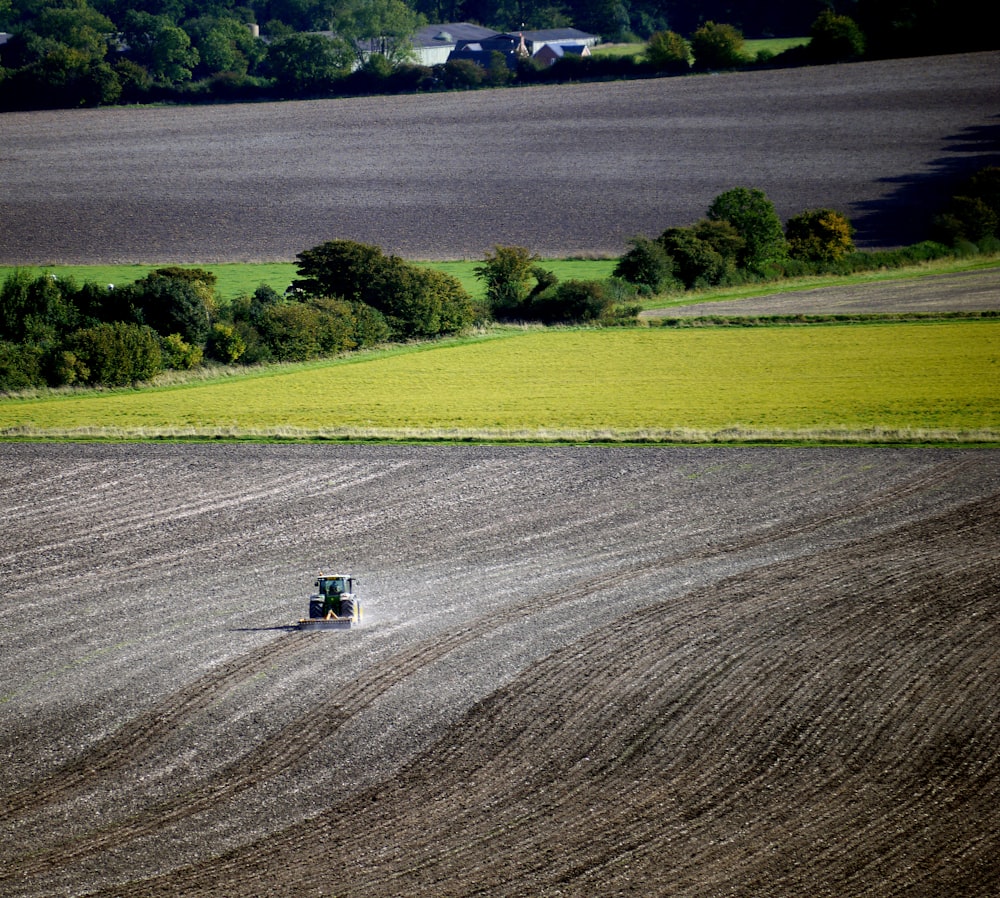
{"x":909,"y":382}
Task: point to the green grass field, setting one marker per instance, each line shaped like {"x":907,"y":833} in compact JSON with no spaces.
{"x":751,"y":48}
{"x":235,"y":278}
{"x":930,"y":382}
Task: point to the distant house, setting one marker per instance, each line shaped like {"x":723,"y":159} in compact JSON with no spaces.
{"x":460,"y":40}
{"x":550,"y":53}
{"x":511,"y":46}
{"x":563,"y":37}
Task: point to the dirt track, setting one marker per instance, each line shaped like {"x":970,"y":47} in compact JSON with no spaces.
{"x":695,"y":672}
{"x":563,"y":170}
{"x":969,"y":291}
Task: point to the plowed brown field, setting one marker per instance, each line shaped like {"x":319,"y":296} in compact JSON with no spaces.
{"x":698,"y":672}
{"x":563,"y":170}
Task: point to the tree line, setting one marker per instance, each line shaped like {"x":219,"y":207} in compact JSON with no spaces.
{"x":64,"y":53}
{"x":349,"y":295}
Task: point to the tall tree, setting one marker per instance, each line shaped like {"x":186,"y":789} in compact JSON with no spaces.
{"x":161,"y":47}
{"x":382,"y":27}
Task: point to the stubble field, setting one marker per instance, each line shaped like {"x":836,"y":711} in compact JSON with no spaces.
{"x":565,"y":171}
{"x":695,"y":672}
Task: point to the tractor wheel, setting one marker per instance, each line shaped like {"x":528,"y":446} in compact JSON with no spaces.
{"x":347,"y":608}
{"x":316,"y":608}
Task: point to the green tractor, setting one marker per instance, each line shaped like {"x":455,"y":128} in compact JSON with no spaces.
{"x":333,"y":606}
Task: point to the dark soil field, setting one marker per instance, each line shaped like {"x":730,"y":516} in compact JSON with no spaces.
{"x":563,"y":170}
{"x":697,"y":672}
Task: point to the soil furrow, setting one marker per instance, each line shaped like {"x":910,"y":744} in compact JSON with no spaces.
{"x":145,"y":733}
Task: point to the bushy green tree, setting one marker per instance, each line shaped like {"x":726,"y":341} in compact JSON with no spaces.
{"x":37,"y":309}
{"x":717,"y":46}
{"x":647,"y":264}
{"x":15,"y":304}
{"x":414,"y":301}
{"x":418,"y":302}
{"x":667,"y":51}
{"x":76,"y":25}
{"x":571,"y":302}
{"x":20,"y":367}
{"x":834,"y":38}
{"x":174,"y":301}
{"x":973,"y":214}
{"x":116,"y":354}
{"x":178,"y":354}
{"x":307,"y":63}
{"x":458,"y":74}
{"x":753,"y":216}
{"x":342,"y":268}
{"x":160,"y":46}
{"x":335,"y":325}
{"x":291,"y":331}
{"x":224,"y":44}
{"x":819,"y":235}
{"x":507,"y":275}
{"x":967,"y":219}
{"x":696,"y":262}
{"x":382,"y":27}
{"x":370,"y":327}
{"x":225,"y":343}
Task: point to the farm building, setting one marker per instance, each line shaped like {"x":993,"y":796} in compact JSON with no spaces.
{"x":460,"y":40}
{"x":512,"y":46}
{"x":434,"y":43}
{"x":562,"y":37}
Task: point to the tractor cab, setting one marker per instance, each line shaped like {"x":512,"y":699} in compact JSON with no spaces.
{"x":335,"y":587}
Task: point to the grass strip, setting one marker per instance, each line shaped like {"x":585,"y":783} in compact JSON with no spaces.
{"x":905,"y":382}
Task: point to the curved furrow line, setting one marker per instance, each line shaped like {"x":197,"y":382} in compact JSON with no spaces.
{"x":547,"y":811}
{"x":574,"y":830}
{"x":474,"y":786}
{"x":142,"y":735}
{"x":909,"y":809}
{"x":447,"y":761}
{"x":289,"y":747}
{"x":279,"y":754}
{"x":810,"y":522}
{"x":107,"y":529}
{"x":947,"y":783}
{"x":520,"y":753}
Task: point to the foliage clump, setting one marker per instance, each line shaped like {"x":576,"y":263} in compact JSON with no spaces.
{"x":819,"y":235}
{"x":646,"y":264}
{"x":972,"y":215}
{"x":508,"y":273}
{"x":835,"y":38}
{"x":754,"y":218}
{"x":415,"y":302}
{"x":717,"y":46}
{"x":668,"y":52}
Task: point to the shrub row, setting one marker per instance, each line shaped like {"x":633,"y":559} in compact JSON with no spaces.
{"x":350,"y":295}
